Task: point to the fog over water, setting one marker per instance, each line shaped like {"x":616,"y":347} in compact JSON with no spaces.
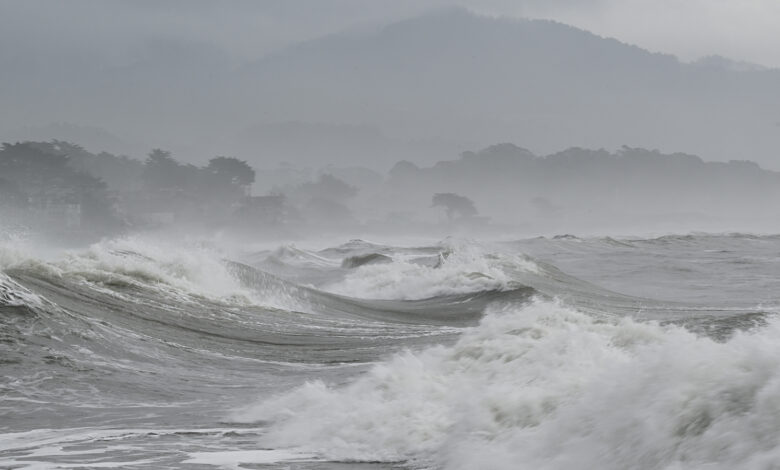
{"x":363,"y":234}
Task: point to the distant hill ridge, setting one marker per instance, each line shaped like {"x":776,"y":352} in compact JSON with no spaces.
{"x":449,"y":76}
{"x":536,"y":81}
{"x":509,"y":160}
{"x":577,"y":185}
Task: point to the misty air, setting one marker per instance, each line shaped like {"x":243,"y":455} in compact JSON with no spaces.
{"x":375,"y":234}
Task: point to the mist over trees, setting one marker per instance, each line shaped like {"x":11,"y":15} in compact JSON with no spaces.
{"x":304,"y":135}
{"x":594,"y":188}
{"x":39,"y":178}
{"x":457,"y":206}
{"x":60,"y":187}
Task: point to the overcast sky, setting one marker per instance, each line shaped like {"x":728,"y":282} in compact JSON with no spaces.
{"x":739,"y":29}
{"x":168,"y":73}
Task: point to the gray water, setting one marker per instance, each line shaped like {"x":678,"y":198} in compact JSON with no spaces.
{"x":542,"y":353}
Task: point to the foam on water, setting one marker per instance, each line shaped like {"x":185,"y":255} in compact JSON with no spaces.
{"x":294,"y":256}
{"x":14,"y":295}
{"x":185,"y":270}
{"x":463,"y":268}
{"x":192,"y":269}
{"x":14,"y":252}
{"x":45,"y":449}
{"x":537,"y":385}
{"x":546,"y":387}
{"x":235,"y":459}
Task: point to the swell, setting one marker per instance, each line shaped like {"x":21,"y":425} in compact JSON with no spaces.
{"x":129,"y":323}
{"x":129,"y":345}
{"x":111,"y":325}
{"x":446,"y":310}
{"x":117,"y":300}
{"x":135,"y":291}
{"x":135,"y":315}
{"x":452,"y":283}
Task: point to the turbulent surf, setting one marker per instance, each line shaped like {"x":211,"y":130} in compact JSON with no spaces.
{"x":545,"y":353}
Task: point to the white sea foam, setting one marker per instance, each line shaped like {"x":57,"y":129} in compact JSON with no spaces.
{"x":14,"y":295}
{"x":463,"y":268}
{"x":297,"y":257}
{"x":234,"y":459}
{"x":49,"y":449}
{"x":182,"y":269}
{"x":548,"y":387}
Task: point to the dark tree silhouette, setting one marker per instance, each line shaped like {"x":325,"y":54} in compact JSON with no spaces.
{"x":46,"y":179}
{"x":32,"y":167}
{"x":226,"y":179}
{"x":119,"y":172}
{"x":40,"y":172}
{"x":403,"y":169}
{"x":455,"y":205}
{"x":162,"y":171}
{"x":229,"y":170}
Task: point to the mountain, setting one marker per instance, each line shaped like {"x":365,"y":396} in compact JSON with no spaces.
{"x":433,"y":84}
{"x":717,"y":61}
{"x":452,"y":73}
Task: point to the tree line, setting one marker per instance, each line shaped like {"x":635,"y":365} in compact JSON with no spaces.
{"x":44,"y":180}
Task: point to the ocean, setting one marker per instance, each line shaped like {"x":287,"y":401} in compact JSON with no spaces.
{"x":543,"y":353}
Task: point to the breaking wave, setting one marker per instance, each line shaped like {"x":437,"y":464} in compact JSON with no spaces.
{"x":545,"y":386}
{"x":457,"y":355}
{"x":459,"y":269}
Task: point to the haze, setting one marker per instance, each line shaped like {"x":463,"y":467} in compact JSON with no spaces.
{"x":364,"y":234}
{"x":301,"y":90}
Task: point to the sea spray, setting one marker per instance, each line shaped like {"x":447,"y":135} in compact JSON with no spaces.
{"x":545,"y":386}
{"x":187,"y":271}
{"x":463,"y":267}
{"x":156,"y":356}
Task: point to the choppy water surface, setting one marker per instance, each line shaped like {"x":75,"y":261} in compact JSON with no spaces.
{"x":547,"y":353}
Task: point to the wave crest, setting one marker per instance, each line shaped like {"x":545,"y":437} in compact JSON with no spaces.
{"x":185,"y":271}
{"x":462,"y":268}
{"x":553,"y":388}
{"x":14,"y":295}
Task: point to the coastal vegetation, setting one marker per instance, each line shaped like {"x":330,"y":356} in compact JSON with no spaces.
{"x":58,"y":187}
